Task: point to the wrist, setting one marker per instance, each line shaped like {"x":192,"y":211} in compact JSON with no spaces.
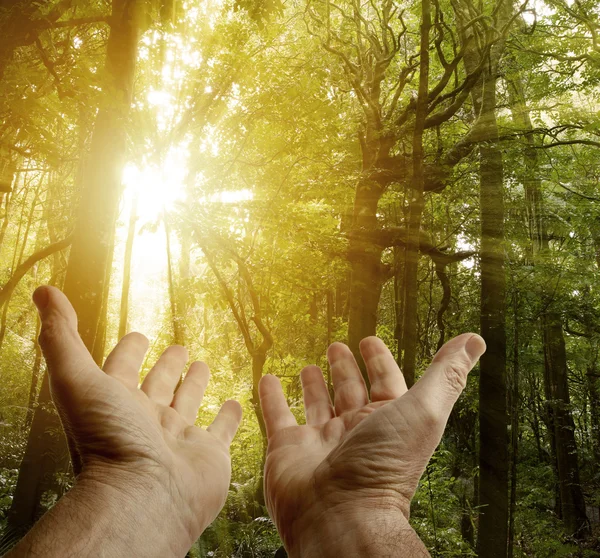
{"x":355,"y":530}
{"x":133,"y":511}
{"x":94,"y":515}
{"x":138,"y":512}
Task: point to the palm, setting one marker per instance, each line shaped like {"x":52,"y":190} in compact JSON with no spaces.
{"x":357,"y":450}
{"x":297,"y":452}
{"x":126,"y":425}
{"x":115,"y":426}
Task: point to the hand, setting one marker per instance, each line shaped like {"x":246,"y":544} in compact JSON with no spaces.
{"x":138,"y":446}
{"x":356,"y":465}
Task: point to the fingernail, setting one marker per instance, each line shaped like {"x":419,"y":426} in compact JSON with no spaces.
{"x":41,"y":298}
{"x":475,"y":347}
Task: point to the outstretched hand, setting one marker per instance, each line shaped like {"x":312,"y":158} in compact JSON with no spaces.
{"x":357,"y":461}
{"x":138,"y":442}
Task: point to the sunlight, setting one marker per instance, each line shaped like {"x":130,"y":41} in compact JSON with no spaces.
{"x":157,"y":187}
{"x":229,"y":196}
{"x":536,"y":10}
{"x":158,"y":190}
{"x":159,"y":184}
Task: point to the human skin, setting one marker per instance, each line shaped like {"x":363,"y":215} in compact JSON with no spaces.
{"x":148,"y":480}
{"x":341,"y":484}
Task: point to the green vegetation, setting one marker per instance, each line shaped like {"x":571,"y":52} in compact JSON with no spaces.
{"x":258,"y":179}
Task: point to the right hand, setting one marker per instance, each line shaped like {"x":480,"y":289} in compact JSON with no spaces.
{"x":139,"y":445}
{"x":357,"y":461}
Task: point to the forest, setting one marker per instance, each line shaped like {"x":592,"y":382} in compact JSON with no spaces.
{"x":255,"y":179}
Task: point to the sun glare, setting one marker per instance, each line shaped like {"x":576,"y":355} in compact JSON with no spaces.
{"x":156,"y":190}
{"x":157,"y":187}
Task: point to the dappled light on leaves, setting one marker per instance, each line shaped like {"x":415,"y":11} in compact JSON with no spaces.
{"x":257,"y":179}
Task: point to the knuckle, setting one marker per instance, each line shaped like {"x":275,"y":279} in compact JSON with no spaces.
{"x":51,"y":330}
{"x":456,"y":376}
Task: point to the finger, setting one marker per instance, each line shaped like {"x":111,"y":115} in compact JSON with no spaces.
{"x":125,"y":360}
{"x":162,"y":379}
{"x":70,"y":364}
{"x":227,"y":421}
{"x":317,"y":404}
{"x":189,"y":395}
{"x":442,"y":383}
{"x":348,"y":384}
{"x":275,"y":409}
{"x":387,"y":382}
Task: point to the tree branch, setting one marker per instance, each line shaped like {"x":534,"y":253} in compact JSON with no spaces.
{"x":242,"y":323}
{"x":568,"y":142}
{"x":76,"y":22}
{"x":24,"y":267}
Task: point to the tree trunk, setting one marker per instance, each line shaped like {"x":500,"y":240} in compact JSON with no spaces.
{"x":35,"y":377}
{"x":124,"y":312}
{"x":366,"y":278}
{"x":493,"y":419}
{"x":102,"y":324}
{"x":592,"y":371}
{"x":259,"y":358}
{"x":398,"y":301}
{"x":560,"y":420}
{"x":184,"y":293}
{"x":514,"y":428}
{"x":178,"y":333}
{"x":98,"y":208}
{"x":87,"y":271}
{"x":6,"y":212}
{"x":592,"y":385}
{"x":555,"y":359}
{"x":37,"y":361}
{"x":411,"y":251}
{"x":365,"y":291}
{"x":313,"y":313}
{"x":330,"y":310}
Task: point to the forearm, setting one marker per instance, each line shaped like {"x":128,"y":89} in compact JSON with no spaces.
{"x":97,"y":520}
{"x":365,"y":534}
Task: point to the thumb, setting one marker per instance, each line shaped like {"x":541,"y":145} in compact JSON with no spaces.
{"x":69,"y":362}
{"x":442,"y":383}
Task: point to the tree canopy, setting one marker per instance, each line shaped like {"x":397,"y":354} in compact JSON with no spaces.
{"x":256,"y":179}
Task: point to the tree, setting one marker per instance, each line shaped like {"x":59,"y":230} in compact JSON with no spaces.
{"x":379,"y":72}
{"x":493,"y":418}
{"x":89,"y":263}
{"x":257,"y":343}
{"x":556,"y":385}
{"x":332,"y":170}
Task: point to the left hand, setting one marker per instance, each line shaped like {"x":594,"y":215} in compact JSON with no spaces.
{"x":141,"y":442}
{"x":342,"y":483}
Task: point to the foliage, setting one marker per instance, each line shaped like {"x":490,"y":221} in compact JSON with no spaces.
{"x":254,"y":127}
